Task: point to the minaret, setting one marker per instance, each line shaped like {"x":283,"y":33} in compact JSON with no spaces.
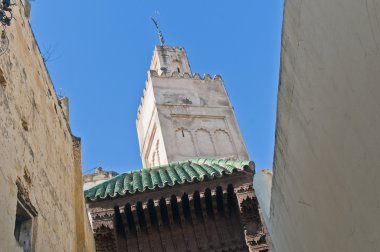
{"x":184,"y":116}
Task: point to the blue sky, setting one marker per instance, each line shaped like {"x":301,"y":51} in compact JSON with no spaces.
{"x":101,"y":51}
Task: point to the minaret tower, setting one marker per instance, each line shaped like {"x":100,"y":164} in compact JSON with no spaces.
{"x":183,"y":115}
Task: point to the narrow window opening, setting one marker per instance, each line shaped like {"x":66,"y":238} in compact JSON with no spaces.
{"x":183,"y":133}
{"x":178,"y":70}
{"x":23,"y":227}
{"x":25,"y":214}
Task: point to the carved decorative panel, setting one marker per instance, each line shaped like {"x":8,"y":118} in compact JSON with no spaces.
{"x":223,"y":143}
{"x":185,"y":142}
{"x":204,"y":143}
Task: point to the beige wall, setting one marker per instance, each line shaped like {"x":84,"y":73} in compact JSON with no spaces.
{"x":36,"y":147}
{"x":326,"y":184}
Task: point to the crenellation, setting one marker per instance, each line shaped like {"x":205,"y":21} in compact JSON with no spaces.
{"x":217,"y":77}
{"x":197,"y":76}
{"x":153,"y":73}
{"x":185,"y":75}
{"x":206,"y":77}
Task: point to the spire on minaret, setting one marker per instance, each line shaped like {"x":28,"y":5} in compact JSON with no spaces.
{"x":162,"y":40}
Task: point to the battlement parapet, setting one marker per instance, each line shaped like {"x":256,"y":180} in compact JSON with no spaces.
{"x":196,"y":76}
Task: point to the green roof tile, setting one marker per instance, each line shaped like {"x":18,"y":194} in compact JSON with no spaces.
{"x":166,"y":175}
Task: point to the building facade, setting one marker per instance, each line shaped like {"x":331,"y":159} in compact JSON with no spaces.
{"x":326,"y":172}
{"x":183,"y":115}
{"x":41,"y":200}
{"x":195,"y":205}
{"x":195,"y":192}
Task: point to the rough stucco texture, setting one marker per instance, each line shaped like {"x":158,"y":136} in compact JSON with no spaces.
{"x":36,"y":146}
{"x":326,"y":190}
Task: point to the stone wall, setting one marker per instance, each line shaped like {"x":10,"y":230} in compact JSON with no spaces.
{"x":326,"y":190}
{"x":37,"y":151}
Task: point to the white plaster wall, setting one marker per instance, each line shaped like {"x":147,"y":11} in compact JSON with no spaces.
{"x":262,"y":183}
{"x":145,"y":114}
{"x":149,"y":129}
{"x":172,"y":59}
{"x":202,"y":108}
{"x":183,"y":116}
{"x":326,"y":184}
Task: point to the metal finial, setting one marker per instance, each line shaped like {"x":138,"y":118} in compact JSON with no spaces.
{"x":162,"y":40}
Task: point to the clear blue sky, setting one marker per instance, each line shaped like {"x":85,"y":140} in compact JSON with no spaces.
{"x":102,"y":51}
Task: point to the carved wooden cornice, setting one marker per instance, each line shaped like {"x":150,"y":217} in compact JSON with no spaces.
{"x":103,"y":226}
{"x":100,"y":213}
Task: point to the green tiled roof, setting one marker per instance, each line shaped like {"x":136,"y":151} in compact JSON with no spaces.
{"x":166,"y":175}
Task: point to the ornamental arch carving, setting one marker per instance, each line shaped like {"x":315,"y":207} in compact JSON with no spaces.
{"x":205,"y":143}
{"x":185,"y":142}
{"x":223,"y":143}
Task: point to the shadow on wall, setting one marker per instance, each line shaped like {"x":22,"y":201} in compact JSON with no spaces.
{"x":262,"y":184}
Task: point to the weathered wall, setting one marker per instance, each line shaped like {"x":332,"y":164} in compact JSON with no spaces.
{"x":183,"y":116}
{"x":170,"y":59}
{"x":326,"y":190}
{"x":37,"y":148}
{"x":96,"y":178}
{"x":197,"y":119}
{"x":84,"y":235}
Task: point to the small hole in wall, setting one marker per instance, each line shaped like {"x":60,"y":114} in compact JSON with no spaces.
{"x":183,"y":133}
{"x":25,"y":125}
{"x":178,"y":70}
{"x":3,"y":82}
{"x":27,"y":177}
